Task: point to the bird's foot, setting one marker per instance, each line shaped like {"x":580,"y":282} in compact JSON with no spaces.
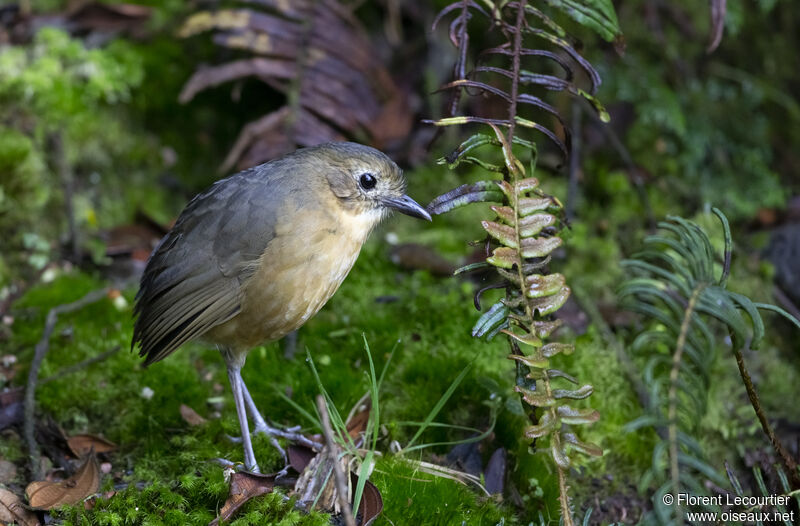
{"x":230,"y":466}
{"x":291,"y":434}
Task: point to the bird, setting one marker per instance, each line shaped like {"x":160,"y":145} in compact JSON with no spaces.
{"x":259,"y":253}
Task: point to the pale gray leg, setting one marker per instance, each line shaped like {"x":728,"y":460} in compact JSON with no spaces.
{"x":261,"y":424}
{"x":235,"y":377}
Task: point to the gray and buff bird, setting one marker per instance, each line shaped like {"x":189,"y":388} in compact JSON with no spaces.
{"x":259,"y":253}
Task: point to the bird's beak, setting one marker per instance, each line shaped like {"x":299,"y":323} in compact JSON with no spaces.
{"x":407,"y":206}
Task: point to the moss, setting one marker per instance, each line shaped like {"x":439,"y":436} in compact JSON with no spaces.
{"x":159,"y":451}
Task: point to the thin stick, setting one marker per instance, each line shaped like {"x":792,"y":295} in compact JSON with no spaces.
{"x":788,"y":461}
{"x":672,"y":411}
{"x":341,"y":483}
{"x":33,"y":375}
{"x":66,"y":371}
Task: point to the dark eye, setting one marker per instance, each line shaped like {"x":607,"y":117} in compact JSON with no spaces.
{"x":368,"y":181}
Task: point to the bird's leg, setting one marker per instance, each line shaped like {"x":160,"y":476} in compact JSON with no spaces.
{"x":261,"y":424}
{"x":235,"y":376}
{"x":291,"y":434}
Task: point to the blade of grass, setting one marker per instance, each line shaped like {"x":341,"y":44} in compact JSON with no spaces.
{"x":372,"y":423}
{"x":439,"y":404}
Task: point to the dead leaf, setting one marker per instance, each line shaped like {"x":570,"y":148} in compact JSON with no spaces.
{"x":718,"y":9}
{"x":244,"y":486}
{"x":191,"y":417}
{"x":12,"y":510}
{"x":81,"y":445}
{"x":495,"y":475}
{"x":357,"y":424}
{"x":371,"y":503}
{"x":315,"y":483}
{"x":89,"y":504}
{"x":315,"y":53}
{"x":48,"y":495}
{"x":299,"y":457}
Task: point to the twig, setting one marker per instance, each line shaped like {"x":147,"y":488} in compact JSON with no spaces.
{"x":672,"y":412}
{"x":33,"y":375}
{"x":80,"y":365}
{"x":788,"y":461}
{"x":341,"y":483}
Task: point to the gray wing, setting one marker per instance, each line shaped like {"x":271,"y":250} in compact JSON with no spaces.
{"x":193,"y":280}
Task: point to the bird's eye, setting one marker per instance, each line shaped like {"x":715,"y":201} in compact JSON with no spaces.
{"x":368,"y":181}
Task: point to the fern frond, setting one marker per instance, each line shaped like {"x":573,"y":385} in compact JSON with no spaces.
{"x":673,"y":283}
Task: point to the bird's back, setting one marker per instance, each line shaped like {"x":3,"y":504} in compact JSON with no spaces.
{"x":194,"y":279}
{"x":247,"y":261}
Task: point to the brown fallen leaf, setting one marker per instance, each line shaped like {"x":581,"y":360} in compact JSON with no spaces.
{"x":191,"y":417}
{"x":48,"y":495}
{"x":89,"y":504}
{"x":82,"y":445}
{"x":371,"y":503}
{"x":300,"y":456}
{"x":244,"y":486}
{"x":12,"y":510}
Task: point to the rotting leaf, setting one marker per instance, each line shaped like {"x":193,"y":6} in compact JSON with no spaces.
{"x":12,"y":510}
{"x":300,"y":457}
{"x":244,"y":486}
{"x":46,"y":495}
{"x":191,"y":417}
{"x":82,"y":445}
{"x":90,"y":503}
{"x":317,"y":56}
{"x":371,"y":503}
{"x":357,"y":423}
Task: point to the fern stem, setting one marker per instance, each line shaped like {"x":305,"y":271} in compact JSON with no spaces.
{"x":515,"y":65}
{"x":788,"y":461}
{"x":672,"y":414}
{"x":563,"y":497}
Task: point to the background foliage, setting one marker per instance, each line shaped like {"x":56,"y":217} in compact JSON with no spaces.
{"x":91,"y":131}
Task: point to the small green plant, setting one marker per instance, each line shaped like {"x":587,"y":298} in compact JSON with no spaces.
{"x":676,"y":285}
{"x":526,"y":229}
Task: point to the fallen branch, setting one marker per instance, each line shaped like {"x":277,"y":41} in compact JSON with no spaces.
{"x":33,"y":375}
{"x":789,"y":462}
{"x":341,"y":482}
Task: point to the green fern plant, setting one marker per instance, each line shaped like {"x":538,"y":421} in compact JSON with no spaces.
{"x":675,"y":284}
{"x":527,"y":223}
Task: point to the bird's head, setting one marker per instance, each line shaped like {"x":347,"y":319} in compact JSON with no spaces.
{"x":365,"y":181}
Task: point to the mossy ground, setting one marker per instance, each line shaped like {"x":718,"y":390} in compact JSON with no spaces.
{"x":168,"y":465}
